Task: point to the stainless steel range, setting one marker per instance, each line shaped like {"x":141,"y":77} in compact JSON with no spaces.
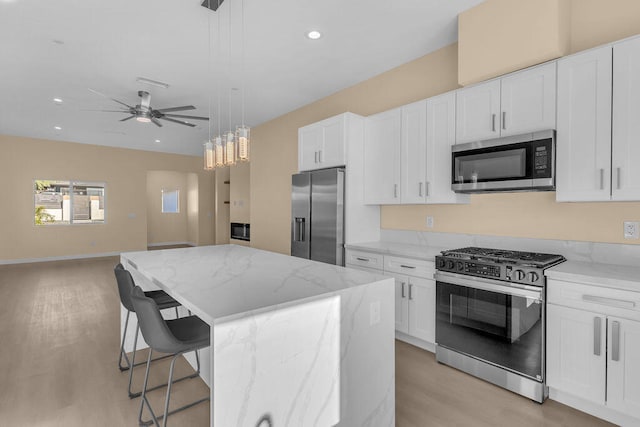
{"x":490,"y":316}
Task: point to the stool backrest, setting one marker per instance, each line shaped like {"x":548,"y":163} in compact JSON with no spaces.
{"x":154,"y":328}
{"x":125,"y":286}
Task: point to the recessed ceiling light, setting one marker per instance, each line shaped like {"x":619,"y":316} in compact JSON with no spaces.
{"x":314,"y":34}
{"x":57,"y":128}
{"x":57,"y":100}
{"x":157,"y":140}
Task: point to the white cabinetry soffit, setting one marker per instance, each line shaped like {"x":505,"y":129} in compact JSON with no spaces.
{"x":598,"y":107}
{"x":517,"y":103}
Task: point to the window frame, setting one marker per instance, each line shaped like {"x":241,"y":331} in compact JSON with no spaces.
{"x":162,"y":192}
{"x":72,"y":183}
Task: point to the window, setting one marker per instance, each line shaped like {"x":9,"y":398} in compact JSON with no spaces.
{"x":170,"y":201}
{"x":68,"y":202}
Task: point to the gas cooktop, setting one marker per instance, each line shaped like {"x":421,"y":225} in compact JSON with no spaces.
{"x":534,"y":259}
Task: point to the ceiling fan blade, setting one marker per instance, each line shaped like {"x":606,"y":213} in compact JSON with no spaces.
{"x":170,"y":109}
{"x":110,"y":111}
{"x":177,"y":121}
{"x":108,"y":97}
{"x":156,"y":122}
{"x":128,"y":118}
{"x":186,"y":117}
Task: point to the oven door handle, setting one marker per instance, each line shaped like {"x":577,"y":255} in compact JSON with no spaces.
{"x":488,"y":285}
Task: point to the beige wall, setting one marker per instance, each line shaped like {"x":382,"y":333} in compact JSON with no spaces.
{"x":274,"y":151}
{"x":125,"y":172}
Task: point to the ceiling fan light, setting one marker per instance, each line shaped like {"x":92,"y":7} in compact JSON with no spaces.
{"x":143,"y":119}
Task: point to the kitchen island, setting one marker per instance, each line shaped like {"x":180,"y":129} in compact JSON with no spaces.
{"x":293,"y":341}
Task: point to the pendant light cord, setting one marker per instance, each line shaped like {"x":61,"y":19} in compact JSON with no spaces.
{"x":210,"y":66}
{"x":219,"y":86}
{"x":230,"y":60}
{"x":242,"y":65}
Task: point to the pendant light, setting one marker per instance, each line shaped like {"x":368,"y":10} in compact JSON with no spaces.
{"x":229,"y":138}
{"x":242,"y":132}
{"x":209,"y":155}
{"x":218,"y":147}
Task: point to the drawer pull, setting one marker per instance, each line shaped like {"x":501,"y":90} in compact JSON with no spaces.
{"x":615,"y":341}
{"x":597,"y":321}
{"x":363,"y":259}
{"x":609,"y":301}
{"x":407,"y":266}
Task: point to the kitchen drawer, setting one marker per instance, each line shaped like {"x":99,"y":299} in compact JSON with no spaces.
{"x":409,"y":266}
{"x":365,"y":259}
{"x":607,"y":301}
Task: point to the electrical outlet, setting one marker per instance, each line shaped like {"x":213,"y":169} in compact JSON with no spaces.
{"x":374,"y":313}
{"x":631,"y":229}
{"x":429,"y":222}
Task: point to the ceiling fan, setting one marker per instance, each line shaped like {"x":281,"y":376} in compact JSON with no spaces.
{"x":145,"y":114}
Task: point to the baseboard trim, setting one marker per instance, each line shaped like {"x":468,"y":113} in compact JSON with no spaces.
{"x":152,"y":245}
{"x":57,"y":258}
{"x":594,"y":409}
{"x":416,"y":342}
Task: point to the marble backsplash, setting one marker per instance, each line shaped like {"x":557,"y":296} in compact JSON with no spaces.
{"x":607,"y":253}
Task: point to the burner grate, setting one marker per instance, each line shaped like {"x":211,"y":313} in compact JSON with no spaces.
{"x":504,"y":255}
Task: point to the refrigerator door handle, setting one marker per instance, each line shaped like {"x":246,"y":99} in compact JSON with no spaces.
{"x":298,"y":229}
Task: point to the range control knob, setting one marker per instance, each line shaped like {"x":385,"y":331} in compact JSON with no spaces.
{"x":519,"y":274}
{"x":460,"y":265}
{"x":450,"y":265}
{"x":533,"y":277}
{"x":441,"y":263}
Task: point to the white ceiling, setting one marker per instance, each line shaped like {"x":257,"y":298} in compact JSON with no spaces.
{"x":59,"y":49}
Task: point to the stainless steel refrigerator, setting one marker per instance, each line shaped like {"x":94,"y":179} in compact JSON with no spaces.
{"x":317,"y":215}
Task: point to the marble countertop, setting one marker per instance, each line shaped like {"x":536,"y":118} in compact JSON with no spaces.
{"x":227,"y":280}
{"x":606,"y":275}
{"x":399,"y":249}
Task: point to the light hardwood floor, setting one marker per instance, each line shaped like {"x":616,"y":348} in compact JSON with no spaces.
{"x":59,"y":340}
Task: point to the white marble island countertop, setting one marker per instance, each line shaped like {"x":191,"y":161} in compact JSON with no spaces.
{"x":606,"y":275}
{"x":228,"y":280}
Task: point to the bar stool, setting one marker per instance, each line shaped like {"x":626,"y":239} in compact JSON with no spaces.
{"x":162,"y":299}
{"x":175,"y":336}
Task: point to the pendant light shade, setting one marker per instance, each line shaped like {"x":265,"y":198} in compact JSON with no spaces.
{"x":230,"y":149}
{"x":242,"y":143}
{"x":219,"y":151}
{"x":209,"y":161}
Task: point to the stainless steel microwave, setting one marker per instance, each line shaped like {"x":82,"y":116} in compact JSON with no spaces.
{"x":515,"y":163}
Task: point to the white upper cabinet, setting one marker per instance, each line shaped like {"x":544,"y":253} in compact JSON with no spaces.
{"x":413,"y":162}
{"x":625,"y":183}
{"x":441,"y":136}
{"x":584,"y":127}
{"x":477,"y":112}
{"x":528,"y":100}
{"x":383,"y":133}
{"x":322,"y":144}
{"x":518,"y":103}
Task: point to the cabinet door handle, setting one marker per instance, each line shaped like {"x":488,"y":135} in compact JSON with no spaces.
{"x":618,"y":178}
{"x":395,"y":191}
{"x":420,"y":189}
{"x":504,"y":120}
{"x":363,"y":259}
{"x":410,"y":292}
{"x":493,"y":123}
{"x":315,"y":157}
{"x":597,"y":324}
{"x":407,"y":266}
{"x":320,"y":156}
{"x":601,"y":179}
{"x":615,"y":340}
{"x":402,"y":285}
{"x":427,"y":186}
{"x":620,"y":303}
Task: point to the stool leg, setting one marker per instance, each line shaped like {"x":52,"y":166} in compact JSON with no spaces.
{"x":170,"y":383}
{"x":122,"y":352}
{"x":144,"y":400}
{"x":177,"y":315}
{"x":133,"y":362}
{"x":198,"y":362}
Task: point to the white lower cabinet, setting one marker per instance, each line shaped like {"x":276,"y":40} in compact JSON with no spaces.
{"x":593,"y":351}
{"x":415,"y":292}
